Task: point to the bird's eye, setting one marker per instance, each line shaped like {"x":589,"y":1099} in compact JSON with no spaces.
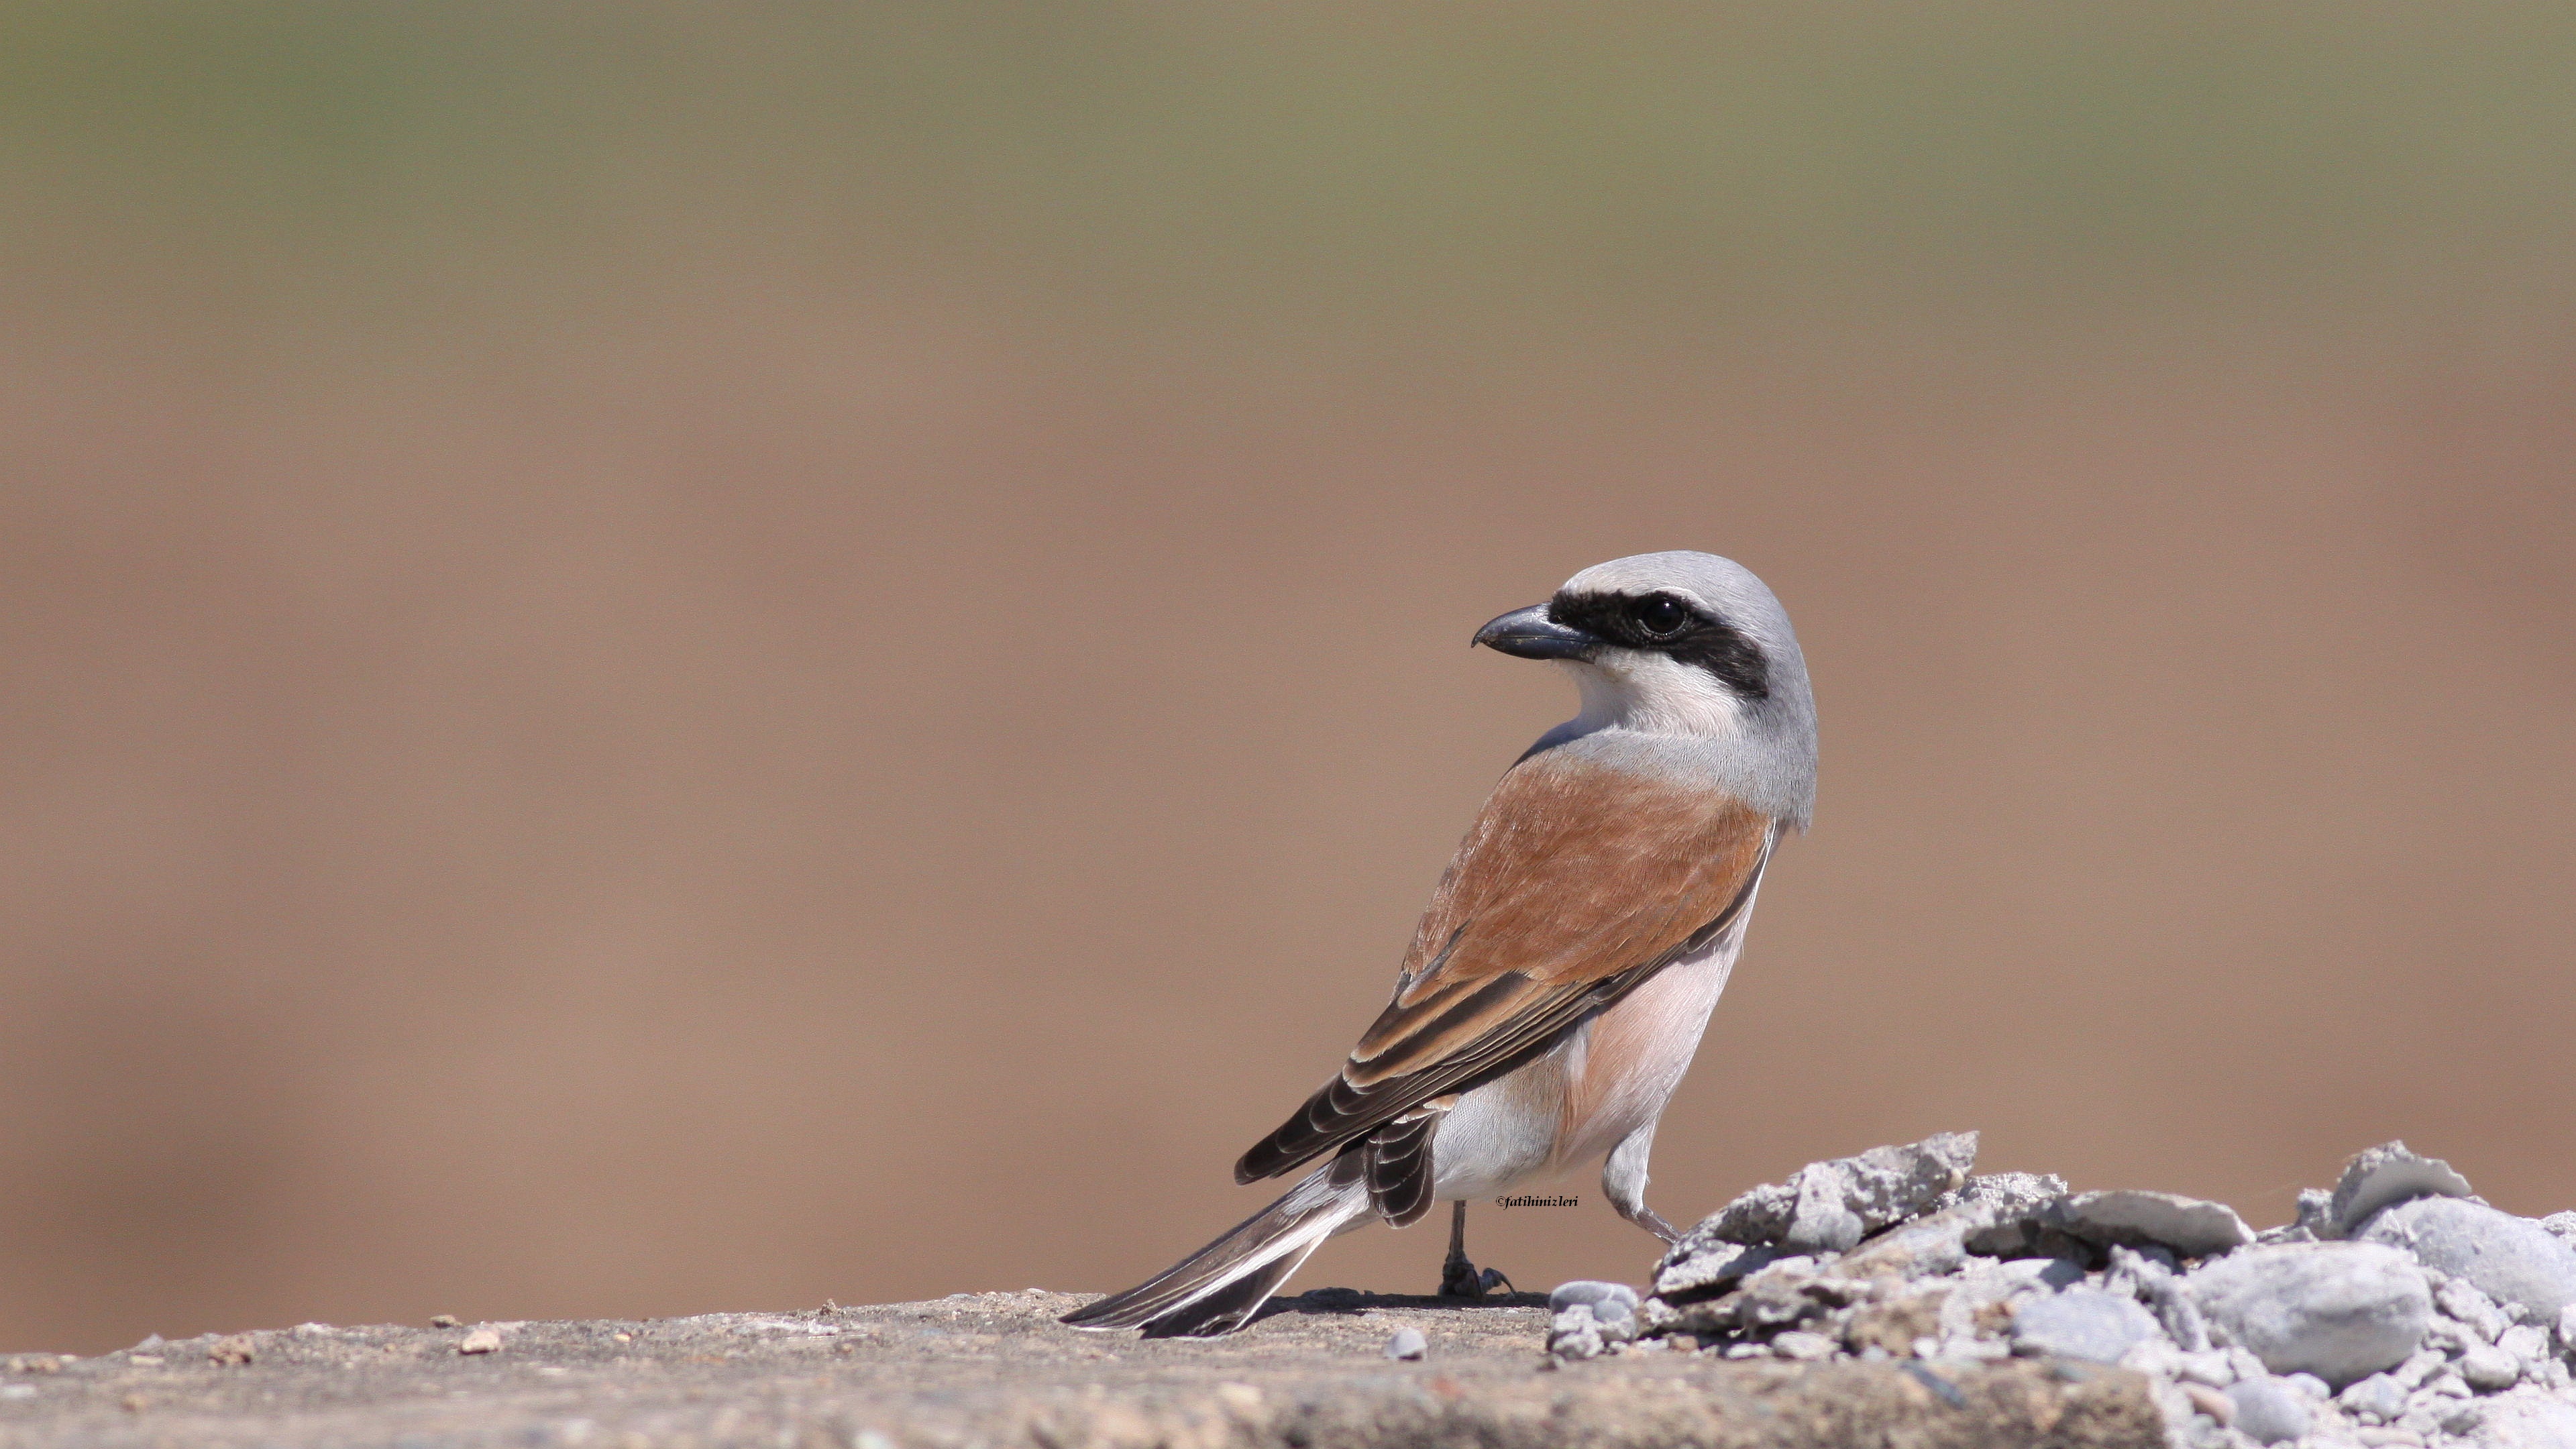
{"x":1660,"y":615}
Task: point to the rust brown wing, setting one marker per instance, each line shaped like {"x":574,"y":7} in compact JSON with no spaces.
{"x":1578,"y":881}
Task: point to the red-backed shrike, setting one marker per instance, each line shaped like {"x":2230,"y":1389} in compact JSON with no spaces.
{"x":1559,"y":983}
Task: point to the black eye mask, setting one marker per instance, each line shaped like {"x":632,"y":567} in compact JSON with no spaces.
{"x":1668,"y":624}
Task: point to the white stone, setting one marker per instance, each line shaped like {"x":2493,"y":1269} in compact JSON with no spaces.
{"x":2461,"y":1299}
{"x":2376,"y":1399}
{"x":2512,"y":1260}
{"x":2212,"y":1368}
{"x":1831,"y":1206}
{"x":2489,"y":1368}
{"x":2269,"y":1411}
{"x":2188,"y":1226}
{"x":2084,"y":1323}
{"x":2337,"y":1310}
{"x":2384,"y":1175}
{"x":2527,"y":1343}
{"x":1805,"y":1347}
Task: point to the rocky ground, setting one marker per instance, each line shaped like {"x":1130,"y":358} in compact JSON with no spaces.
{"x":2399,"y":1309}
{"x":995,"y":1371}
{"x":1890,"y":1299}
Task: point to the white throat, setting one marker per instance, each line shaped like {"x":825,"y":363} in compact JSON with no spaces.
{"x":1651,"y":693}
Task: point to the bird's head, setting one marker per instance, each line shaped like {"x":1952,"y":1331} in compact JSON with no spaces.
{"x":1668,"y":643}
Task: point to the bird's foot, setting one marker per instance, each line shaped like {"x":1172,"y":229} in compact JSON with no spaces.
{"x":1462,"y":1279}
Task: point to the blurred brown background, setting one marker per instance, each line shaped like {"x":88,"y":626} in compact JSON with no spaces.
{"x":672,"y":658}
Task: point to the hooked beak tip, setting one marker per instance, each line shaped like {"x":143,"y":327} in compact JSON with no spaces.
{"x":1530,"y":634}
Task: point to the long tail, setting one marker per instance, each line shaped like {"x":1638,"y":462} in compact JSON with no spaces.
{"x":1217,"y":1289}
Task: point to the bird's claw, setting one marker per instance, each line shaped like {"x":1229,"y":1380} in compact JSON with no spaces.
{"x":1462,"y":1279}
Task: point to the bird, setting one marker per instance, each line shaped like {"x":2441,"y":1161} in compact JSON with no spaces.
{"x":1558,"y":983}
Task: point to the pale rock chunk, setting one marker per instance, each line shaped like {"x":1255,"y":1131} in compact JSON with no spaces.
{"x":2382,"y":1176}
{"x":2336,"y":1310}
{"x":2377,"y":1398}
{"x":2489,"y":1369}
{"x":2269,"y":1411}
{"x":2512,"y":1260}
{"x":1802,"y":1346}
{"x":2084,"y":1323}
{"x":1828,"y":1207}
{"x":2527,"y":1342}
{"x":2188,"y":1226}
{"x":2461,"y":1299}
{"x":1609,"y":1302}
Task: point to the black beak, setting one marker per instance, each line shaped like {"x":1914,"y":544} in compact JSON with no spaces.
{"x":1530,"y":634}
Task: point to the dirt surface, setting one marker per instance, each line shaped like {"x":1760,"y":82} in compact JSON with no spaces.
{"x":985,"y":1371}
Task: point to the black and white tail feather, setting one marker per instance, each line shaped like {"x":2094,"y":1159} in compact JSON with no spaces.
{"x":1217,"y":1289}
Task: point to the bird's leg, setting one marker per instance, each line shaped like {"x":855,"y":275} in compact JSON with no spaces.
{"x":1458,"y":1277}
{"x":1623,"y":1181}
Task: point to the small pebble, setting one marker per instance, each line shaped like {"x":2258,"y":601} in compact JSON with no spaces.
{"x":2464,"y":1417}
{"x":442,"y":1320}
{"x":1802,"y":1346}
{"x":2269,"y":1411}
{"x":2529,"y":1344}
{"x":2211,"y":1402}
{"x":1594,"y":1295}
{"x":481,"y":1340}
{"x":2213,"y":1368}
{"x":2310,"y":1385}
{"x":2418,"y":1367}
{"x":1406,"y":1345}
{"x":2461,"y":1299}
{"x":2377,"y":1397}
{"x":2489,"y":1369}
{"x":1242,"y":1400}
{"x":2084,"y":1323}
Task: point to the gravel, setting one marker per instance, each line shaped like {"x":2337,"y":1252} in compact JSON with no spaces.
{"x":2396,"y":1309}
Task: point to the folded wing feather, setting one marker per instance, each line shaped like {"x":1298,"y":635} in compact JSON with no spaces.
{"x":1578,"y":881}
